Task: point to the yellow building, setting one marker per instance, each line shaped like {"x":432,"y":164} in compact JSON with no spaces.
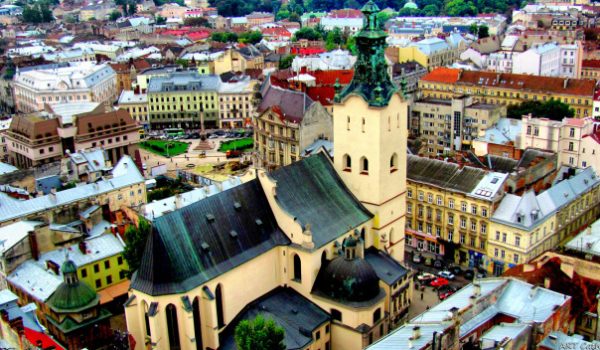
{"x":99,"y":260}
{"x":448,"y":210}
{"x":238,"y":60}
{"x":524,"y":227}
{"x":289,"y":122}
{"x":432,"y":52}
{"x":509,"y":89}
{"x":135,"y":104}
{"x":236,"y":105}
{"x":183,"y":100}
{"x":294,"y":241}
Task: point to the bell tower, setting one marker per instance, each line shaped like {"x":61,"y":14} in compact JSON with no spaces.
{"x":370,"y":138}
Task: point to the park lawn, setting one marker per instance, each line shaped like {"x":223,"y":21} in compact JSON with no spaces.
{"x":240,"y":144}
{"x":159,"y":147}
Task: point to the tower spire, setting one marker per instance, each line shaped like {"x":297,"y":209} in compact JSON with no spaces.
{"x":371,"y":79}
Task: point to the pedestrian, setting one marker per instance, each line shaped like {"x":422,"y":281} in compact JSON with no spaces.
{"x":427,"y":307}
{"x":422,"y":295}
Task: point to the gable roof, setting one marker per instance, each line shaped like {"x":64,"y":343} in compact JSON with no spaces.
{"x":291,"y":105}
{"x":311,"y":191}
{"x":196,"y":243}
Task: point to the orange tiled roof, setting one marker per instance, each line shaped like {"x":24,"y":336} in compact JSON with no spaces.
{"x":590,"y":63}
{"x":583,"y":87}
{"x":442,"y":75}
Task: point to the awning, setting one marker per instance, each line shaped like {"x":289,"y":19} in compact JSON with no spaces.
{"x":110,"y":293}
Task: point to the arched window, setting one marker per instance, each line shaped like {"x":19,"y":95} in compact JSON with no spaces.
{"x":376,"y":315}
{"x":173,"y":327}
{"x":146,"y":319}
{"x":219,"y":302}
{"x":393,"y":163}
{"x":347,"y":162}
{"x":364,"y":166}
{"x":297,"y":268}
{"x":197,"y":323}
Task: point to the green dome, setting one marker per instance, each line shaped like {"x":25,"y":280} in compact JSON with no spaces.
{"x":370,"y":7}
{"x":68,"y":267}
{"x":72,"y":295}
{"x":411,"y":5}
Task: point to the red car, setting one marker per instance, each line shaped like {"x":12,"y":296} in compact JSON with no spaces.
{"x":439,"y":282}
{"x":445,"y":293}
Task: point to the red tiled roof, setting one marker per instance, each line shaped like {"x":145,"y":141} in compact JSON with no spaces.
{"x":200,"y":35}
{"x":37,"y":338}
{"x":590,"y":63}
{"x":307,"y":51}
{"x":442,"y":75}
{"x":276,"y":31}
{"x":581,"y":87}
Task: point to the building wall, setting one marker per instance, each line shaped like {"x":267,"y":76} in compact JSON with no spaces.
{"x":582,"y":104}
{"x":99,"y":275}
{"x":377,"y":135}
{"x":183,"y":109}
{"x":451,"y":216}
{"x":236,"y":108}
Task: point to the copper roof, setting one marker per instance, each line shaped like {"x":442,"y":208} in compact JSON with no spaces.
{"x":103,"y":121}
{"x":34,"y":127}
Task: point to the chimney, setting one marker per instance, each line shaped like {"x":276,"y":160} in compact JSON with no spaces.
{"x":35,"y":251}
{"x":476,"y":289}
{"x":547,"y":282}
{"x":82,"y":247}
{"x":416,"y":333}
{"x":52,"y":195}
{"x":533,"y":292}
{"x":553,"y":338}
{"x":565,"y":83}
{"x":178,"y":201}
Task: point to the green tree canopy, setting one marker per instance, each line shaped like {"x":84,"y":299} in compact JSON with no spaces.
{"x":457,"y":8}
{"x":160,"y":20}
{"x":259,"y":334}
{"x":224,"y":37}
{"x":431,"y":10}
{"x":286,"y":61}
{"x":135,"y":242}
{"x":197,"y":22}
{"x":552,"y":109}
{"x":37,"y":13}
{"x":483,"y":32}
{"x":307,"y":33}
{"x":114,"y":15}
{"x":253,"y":37}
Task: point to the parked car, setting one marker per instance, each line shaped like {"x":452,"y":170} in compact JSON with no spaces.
{"x":232,"y":153}
{"x":456,"y":270}
{"x":425,"y":277}
{"x":417,"y":258}
{"x":438,"y":264}
{"x":439,"y":282}
{"x":445,"y":292}
{"x":469,"y":274}
{"x":446,"y":274}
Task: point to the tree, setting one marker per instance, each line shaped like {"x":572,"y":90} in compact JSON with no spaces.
{"x":135,"y":243}
{"x":431,"y":10}
{"x":115,"y":15}
{"x":253,"y":37}
{"x":132,"y":8}
{"x":286,"y":61}
{"x":334,"y":39}
{"x":473,"y":29}
{"x":552,"y":109}
{"x":457,"y":8}
{"x":160,"y":20}
{"x":483,"y":32}
{"x":259,"y":334}
{"x":31,"y":15}
{"x":196,"y":22}
{"x":307,"y":33}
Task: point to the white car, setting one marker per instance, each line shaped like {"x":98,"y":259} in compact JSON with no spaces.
{"x":446,"y":274}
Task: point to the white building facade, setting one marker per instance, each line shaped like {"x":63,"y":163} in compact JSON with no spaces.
{"x":64,"y":83}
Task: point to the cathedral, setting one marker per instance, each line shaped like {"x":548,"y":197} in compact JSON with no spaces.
{"x":315,"y":245}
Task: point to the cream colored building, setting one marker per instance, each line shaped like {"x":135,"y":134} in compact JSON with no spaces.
{"x":236,"y":107}
{"x":324,"y":234}
{"x":574,"y":140}
{"x":449,"y":209}
{"x":64,"y":83}
{"x":525,"y":226}
{"x":289,"y":122}
{"x":449,"y":125}
{"x":135,"y":104}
